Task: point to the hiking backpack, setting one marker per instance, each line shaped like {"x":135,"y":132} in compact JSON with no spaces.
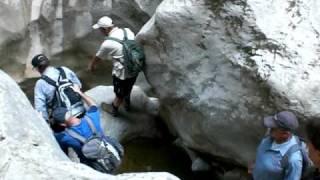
{"x":306,"y":162}
{"x":64,"y":94}
{"x":133,"y":54}
{"x":105,"y":151}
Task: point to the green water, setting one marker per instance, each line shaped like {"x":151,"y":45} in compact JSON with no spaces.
{"x":156,"y":155}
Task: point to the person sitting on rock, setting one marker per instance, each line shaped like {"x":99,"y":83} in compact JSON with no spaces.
{"x":79,"y":131}
{"x":123,"y":81}
{"x":273,"y":148}
{"x":45,"y":96}
{"x":313,"y":135}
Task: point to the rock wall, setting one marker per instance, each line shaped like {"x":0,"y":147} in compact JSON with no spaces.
{"x":28,"y":149}
{"x":62,"y":30}
{"x":218,"y":67}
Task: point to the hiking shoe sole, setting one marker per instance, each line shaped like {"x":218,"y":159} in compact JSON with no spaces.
{"x":109,"y":109}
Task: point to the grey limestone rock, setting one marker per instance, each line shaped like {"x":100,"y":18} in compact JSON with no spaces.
{"x":218,"y":67}
{"x":28,"y":149}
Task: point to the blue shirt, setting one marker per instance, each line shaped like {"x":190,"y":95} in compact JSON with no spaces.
{"x":65,"y":140}
{"x":268,"y":161}
{"x":44,"y":92}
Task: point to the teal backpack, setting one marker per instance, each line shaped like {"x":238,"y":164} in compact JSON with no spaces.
{"x":134,"y":57}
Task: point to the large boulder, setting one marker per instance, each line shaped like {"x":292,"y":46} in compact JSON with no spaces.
{"x":62,"y":29}
{"x":141,"y":121}
{"x":218,"y":67}
{"x":28,"y":149}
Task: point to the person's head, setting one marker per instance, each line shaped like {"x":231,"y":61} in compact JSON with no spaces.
{"x":104,"y":24}
{"x":40,"y":62}
{"x":313,"y":135}
{"x":61,"y":115}
{"x":282,"y":125}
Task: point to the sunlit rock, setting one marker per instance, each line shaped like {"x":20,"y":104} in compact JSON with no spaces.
{"x":28,"y":149}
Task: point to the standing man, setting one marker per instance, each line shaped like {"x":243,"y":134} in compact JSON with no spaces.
{"x":123,"y":81}
{"x":272,"y":149}
{"x":45,"y":97}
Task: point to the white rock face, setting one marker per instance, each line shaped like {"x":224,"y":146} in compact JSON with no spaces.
{"x":28,"y":149}
{"x":219,"y":67}
{"x":139,"y":122}
{"x":59,"y":28}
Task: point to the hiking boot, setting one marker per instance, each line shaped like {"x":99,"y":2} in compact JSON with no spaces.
{"x":110,"y":108}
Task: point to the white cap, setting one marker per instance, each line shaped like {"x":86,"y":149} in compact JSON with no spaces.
{"x":103,"y":22}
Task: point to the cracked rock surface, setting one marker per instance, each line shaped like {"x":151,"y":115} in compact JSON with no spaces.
{"x":218,"y":67}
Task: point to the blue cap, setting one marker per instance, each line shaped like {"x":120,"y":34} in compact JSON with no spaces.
{"x":285,"y":120}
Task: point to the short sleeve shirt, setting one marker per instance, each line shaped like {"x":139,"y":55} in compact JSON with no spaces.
{"x":110,"y":49}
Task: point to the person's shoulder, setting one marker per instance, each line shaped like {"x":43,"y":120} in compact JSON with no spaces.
{"x":130,"y":33}
{"x":66,"y":69}
{"x":40,"y":83}
{"x":296,"y":157}
{"x":61,"y":135}
{"x":266,"y":140}
{"x":128,"y":30}
{"x":93,"y":109}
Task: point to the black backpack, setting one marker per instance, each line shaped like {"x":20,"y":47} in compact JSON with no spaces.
{"x":64,"y":94}
{"x":134,"y":57}
{"x":104,"y":152}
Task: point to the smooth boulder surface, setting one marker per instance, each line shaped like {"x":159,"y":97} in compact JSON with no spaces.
{"x":139,"y":122}
{"x":219,"y":67}
{"x":28,"y":149}
{"x":62,"y":29}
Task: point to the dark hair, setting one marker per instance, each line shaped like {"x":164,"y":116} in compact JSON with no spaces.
{"x":313,"y":132}
{"x":40,"y":61}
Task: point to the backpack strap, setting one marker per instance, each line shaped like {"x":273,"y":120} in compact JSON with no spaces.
{"x":285,"y":159}
{"x":62,"y":73}
{"x":76,"y":135}
{"x":91,"y":125}
{"x":294,"y":148}
{"x":125,"y":35}
{"x":114,"y":39}
{"x":49,"y":81}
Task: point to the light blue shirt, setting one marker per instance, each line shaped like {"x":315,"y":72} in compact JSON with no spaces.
{"x":268,"y":161}
{"x":44,"y":92}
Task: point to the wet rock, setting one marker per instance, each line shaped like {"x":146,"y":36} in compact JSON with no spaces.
{"x":139,"y":122}
{"x":218,"y":67}
{"x":29,"y":150}
{"x":198,"y":164}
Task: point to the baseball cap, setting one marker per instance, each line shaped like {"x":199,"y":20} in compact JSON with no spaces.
{"x":103,"y":22}
{"x":61,"y":114}
{"x":285,"y":120}
{"x":38,"y":60}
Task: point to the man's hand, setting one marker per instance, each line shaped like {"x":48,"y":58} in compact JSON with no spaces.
{"x":76,"y":89}
{"x":250,"y":167}
{"x":92,"y":67}
{"x":93,"y":63}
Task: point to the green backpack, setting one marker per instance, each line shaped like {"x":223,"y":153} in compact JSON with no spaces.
{"x":134,"y":57}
